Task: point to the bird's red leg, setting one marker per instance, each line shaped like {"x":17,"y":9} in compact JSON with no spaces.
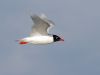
{"x":23,"y":42}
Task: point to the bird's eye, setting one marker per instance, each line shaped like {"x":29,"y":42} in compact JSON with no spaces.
{"x":56,"y":37}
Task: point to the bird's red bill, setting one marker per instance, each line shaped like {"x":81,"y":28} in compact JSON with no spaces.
{"x":61,"y":39}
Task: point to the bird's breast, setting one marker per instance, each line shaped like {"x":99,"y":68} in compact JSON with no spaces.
{"x":40,"y":39}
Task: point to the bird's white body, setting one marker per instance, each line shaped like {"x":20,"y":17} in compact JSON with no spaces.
{"x":39,"y":39}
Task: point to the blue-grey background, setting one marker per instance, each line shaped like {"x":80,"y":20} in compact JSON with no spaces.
{"x":78,"y":21}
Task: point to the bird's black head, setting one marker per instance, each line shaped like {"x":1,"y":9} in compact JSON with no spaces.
{"x":57,"y":38}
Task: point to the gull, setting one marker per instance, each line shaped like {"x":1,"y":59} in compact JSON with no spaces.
{"x":40,"y":31}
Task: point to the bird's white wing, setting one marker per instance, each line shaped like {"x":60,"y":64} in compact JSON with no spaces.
{"x":41,"y":25}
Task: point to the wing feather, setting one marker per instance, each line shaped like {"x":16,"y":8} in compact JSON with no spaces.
{"x":41,"y":25}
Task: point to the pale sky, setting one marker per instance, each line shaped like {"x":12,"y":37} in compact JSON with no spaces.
{"x":78,"y":21}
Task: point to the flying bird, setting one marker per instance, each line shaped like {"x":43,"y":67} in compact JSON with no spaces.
{"x":40,"y":31}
